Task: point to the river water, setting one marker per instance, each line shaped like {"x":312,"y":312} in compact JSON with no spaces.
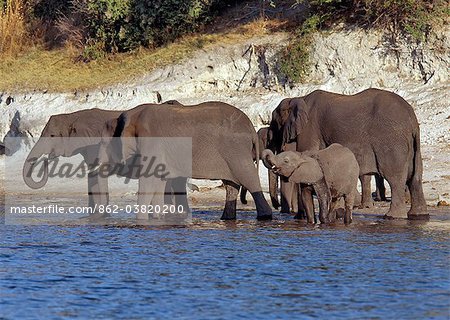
{"x":211,"y":269}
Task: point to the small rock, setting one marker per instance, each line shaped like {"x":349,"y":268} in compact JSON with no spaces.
{"x":9,"y":100}
{"x":443,"y":203}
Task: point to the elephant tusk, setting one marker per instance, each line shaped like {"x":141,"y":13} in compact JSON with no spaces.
{"x":274,"y":166}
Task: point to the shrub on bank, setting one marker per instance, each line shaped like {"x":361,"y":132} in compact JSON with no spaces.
{"x":96,"y":27}
{"x":110,"y":26}
{"x":413,"y":19}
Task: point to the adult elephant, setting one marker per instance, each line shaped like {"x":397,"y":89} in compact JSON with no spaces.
{"x":280,"y":117}
{"x":378,"y":126}
{"x":69,"y":134}
{"x":56,"y":140}
{"x":224,"y":144}
{"x":288,"y":202}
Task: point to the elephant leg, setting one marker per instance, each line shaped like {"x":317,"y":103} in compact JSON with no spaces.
{"x":232,"y":189}
{"x":294,"y":198}
{"x":180,"y":194}
{"x":333,"y":213}
{"x":286,"y":195}
{"x":97,"y":192}
{"x":308,"y":204}
{"x":366,"y":196}
{"x":380,"y":193}
{"x":301,"y":212}
{"x":150,"y":192}
{"x":264,"y":212}
{"x":357,"y":200}
{"x":323,"y":196}
{"x":418,"y":210}
{"x":397,"y":208}
{"x":168,"y":192}
{"x":243,"y":195}
{"x":323,"y":211}
{"x":247,"y":176}
{"x":157,"y":201}
{"x":349,"y":199}
{"x":273,"y":186}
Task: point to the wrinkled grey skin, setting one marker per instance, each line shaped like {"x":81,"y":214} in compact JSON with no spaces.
{"x":89,"y":124}
{"x":280,"y":117}
{"x":286,"y":204}
{"x":224,"y":142}
{"x":332,"y":172}
{"x":378,"y":126}
{"x":85,"y":123}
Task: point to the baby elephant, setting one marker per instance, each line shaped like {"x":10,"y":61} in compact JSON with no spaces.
{"x":333,"y":173}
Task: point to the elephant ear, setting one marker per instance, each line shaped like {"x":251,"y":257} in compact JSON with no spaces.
{"x":324,"y":166}
{"x":57,"y":125}
{"x":109,"y":128}
{"x":277,"y":121}
{"x":308,"y":171}
{"x":297,"y":120}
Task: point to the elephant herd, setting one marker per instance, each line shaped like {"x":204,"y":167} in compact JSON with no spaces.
{"x":319,"y":144}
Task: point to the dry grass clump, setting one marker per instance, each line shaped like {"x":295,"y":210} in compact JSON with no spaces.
{"x":12,"y":28}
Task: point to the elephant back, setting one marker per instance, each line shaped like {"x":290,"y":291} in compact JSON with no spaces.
{"x":339,"y":166}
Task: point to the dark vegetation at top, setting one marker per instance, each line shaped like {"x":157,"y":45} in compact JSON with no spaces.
{"x":111,"y":26}
{"x":96,"y":29}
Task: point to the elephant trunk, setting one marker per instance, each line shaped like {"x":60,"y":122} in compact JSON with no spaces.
{"x":273,"y":186}
{"x":268,"y":159}
{"x":289,"y":133}
{"x":29,"y":166}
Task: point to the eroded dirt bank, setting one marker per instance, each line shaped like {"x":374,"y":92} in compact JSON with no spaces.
{"x":246,"y":75}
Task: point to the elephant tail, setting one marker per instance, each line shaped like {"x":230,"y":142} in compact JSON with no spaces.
{"x":255,"y":142}
{"x":243,"y":195}
{"x":417,"y":169}
{"x":122,"y":122}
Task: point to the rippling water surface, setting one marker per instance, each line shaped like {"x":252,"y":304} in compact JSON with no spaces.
{"x":281,"y":269}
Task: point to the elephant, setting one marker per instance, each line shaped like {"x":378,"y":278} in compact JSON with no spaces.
{"x":280,"y":117}
{"x":333,"y":173}
{"x":287,"y":202}
{"x":55,"y":140}
{"x":378,"y":126}
{"x":224,"y":144}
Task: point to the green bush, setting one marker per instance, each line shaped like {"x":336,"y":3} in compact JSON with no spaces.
{"x":412,"y":18}
{"x":123,"y":25}
{"x":109,"y":26}
{"x":154,"y":23}
{"x":294,"y":60}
